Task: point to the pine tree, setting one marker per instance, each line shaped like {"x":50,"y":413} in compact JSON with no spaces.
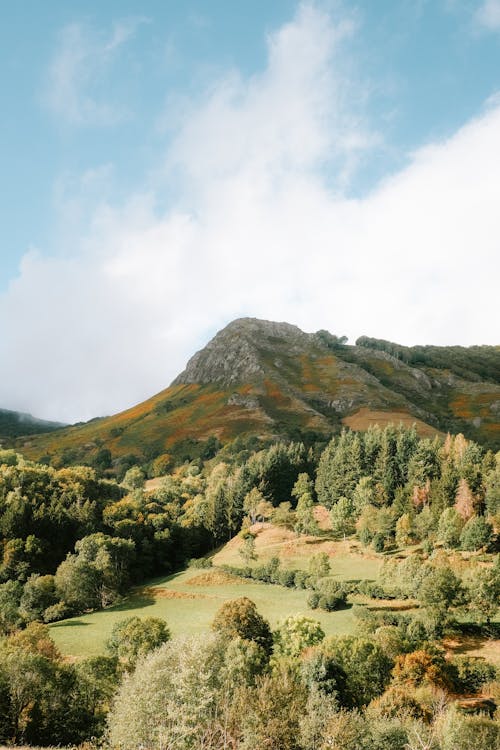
{"x":340,"y":469}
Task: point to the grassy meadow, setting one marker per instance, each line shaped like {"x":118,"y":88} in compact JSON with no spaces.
{"x":189,"y":600}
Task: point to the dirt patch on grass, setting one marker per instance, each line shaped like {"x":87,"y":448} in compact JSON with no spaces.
{"x":365,"y":418}
{"x":470,"y":645}
{"x":214,"y":578}
{"x":322,"y":517}
{"x":160,"y":593}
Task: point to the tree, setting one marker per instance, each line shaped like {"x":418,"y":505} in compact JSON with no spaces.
{"x":251,"y":503}
{"x":363,"y":494}
{"x":217,"y":499}
{"x":464,"y":501}
{"x":483,"y":592}
{"x":189,"y":693}
{"x":135,"y":637}
{"x":339,"y":468}
{"x":134,"y":478}
{"x":78,"y":584}
{"x":10,"y":597}
{"x":440,"y":591}
{"x":450,"y":527}
{"x":97,"y":683}
{"x":342,"y":517}
{"x":271,"y":717}
{"x":421,"y":667}
{"x":305,"y":523}
{"x":365,"y":664}
{"x":239,"y":618}
{"x":319,"y":565}
{"x":476,"y":533}
{"x":170,"y":700}
{"x":404,"y":530}
{"x":38,"y":594}
{"x":304,"y":485}
{"x":295,"y":633}
{"x":247,"y":550}
{"x":97,"y":573}
{"x":459,"y":732}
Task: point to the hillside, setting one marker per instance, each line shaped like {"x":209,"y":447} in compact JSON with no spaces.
{"x":13,"y":424}
{"x":266,"y":379}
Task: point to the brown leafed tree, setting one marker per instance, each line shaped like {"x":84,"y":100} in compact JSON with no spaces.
{"x":464,"y":500}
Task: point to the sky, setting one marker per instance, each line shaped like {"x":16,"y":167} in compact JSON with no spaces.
{"x":168,"y":167}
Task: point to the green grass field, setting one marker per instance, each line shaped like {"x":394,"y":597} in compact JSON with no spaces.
{"x":189,"y":609}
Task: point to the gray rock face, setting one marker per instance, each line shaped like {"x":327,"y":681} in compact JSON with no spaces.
{"x":234,"y":354}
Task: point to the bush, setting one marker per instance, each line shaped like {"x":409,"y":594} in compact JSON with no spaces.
{"x":476,"y":533}
{"x":378,"y":542}
{"x":287,"y":578}
{"x":201,"y":562}
{"x":471,"y":673}
{"x":313,"y":599}
{"x":300,"y":579}
{"x":56,"y":612}
{"x":373,"y":590}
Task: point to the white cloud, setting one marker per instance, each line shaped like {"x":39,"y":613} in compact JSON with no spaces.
{"x":82,"y":57}
{"x":488,"y":15}
{"x":258,"y":231}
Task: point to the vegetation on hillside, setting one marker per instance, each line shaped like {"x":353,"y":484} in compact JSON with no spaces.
{"x":270,"y":381}
{"x":13,"y":424}
{"x":74,"y":540}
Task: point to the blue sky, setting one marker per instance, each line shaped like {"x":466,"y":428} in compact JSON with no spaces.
{"x":155,"y":155}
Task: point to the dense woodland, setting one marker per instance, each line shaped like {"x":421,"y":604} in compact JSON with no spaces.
{"x":73,"y":540}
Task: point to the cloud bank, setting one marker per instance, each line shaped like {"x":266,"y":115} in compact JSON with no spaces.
{"x":488,"y":15}
{"x":261,"y":225}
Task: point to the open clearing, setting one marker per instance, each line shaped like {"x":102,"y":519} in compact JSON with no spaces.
{"x":189,"y":600}
{"x":189,"y":608}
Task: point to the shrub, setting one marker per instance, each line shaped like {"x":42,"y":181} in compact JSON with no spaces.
{"x":313,"y":599}
{"x":378,"y":542}
{"x":201,"y":562}
{"x":472,"y":672}
{"x":300,"y":579}
{"x":287,"y":578}
{"x":476,"y":533}
{"x":135,"y":637}
{"x":239,"y":618}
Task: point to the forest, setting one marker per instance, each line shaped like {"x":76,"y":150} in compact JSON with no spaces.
{"x":73,"y":541}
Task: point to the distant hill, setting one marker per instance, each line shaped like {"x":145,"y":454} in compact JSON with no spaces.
{"x":271,"y":380}
{"x":14,"y":423}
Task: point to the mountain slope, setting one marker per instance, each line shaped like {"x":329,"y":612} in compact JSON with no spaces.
{"x":14,"y":423}
{"x":271,"y":379}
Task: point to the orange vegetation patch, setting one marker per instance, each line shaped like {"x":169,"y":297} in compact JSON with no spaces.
{"x":322,"y":517}
{"x":214,"y":578}
{"x":365,"y":418}
{"x":160,"y":593}
{"x":470,"y":405}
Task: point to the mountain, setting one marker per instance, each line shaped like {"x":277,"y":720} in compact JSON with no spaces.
{"x":267,"y":379}
{"x":14,"y":423}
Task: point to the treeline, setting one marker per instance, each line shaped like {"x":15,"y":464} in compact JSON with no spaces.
{"x":480,"y":362}
{"x":396,"y":489}
{"x":72,"y":541}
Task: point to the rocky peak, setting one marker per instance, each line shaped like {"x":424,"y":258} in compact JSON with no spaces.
{"x":234,"y":355}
